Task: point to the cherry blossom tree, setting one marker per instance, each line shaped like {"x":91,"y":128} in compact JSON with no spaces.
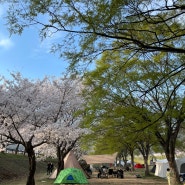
{"x":29,"y":108}
{"x":65,"y":133}
{"x":63,"y":138}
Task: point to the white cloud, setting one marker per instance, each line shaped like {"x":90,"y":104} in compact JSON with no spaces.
{"x":6,"y":43}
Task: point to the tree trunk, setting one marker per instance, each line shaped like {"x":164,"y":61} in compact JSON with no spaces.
{"x":169,"y":148}
{"x":147,"y":172}
{"x":61,"y":153}
{"x":60,"y":162}
{"x":16,"y":149}
{"x":60,"y":165}
{"x":32,"y":164}
{"x":132,"y":161}
{"x":175,"y":180}
{"x":144,"y":148}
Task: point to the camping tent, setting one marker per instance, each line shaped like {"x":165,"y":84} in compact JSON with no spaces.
{"x":138,"y":165}
{"x":71,"y":176}
{"x":181,"y":165}
{"x":100,"y":159}
{"x":162,"y":165}
{"x":70,"y":161}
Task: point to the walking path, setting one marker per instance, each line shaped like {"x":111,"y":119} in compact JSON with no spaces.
{"x":129,"y":179}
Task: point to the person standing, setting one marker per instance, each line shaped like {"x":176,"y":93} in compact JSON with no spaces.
{"x":51,"y":167}
{"x":168,"y":175}
{"x":48,"y":168}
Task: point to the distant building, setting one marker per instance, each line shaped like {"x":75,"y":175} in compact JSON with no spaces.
{"x":15,"y":148}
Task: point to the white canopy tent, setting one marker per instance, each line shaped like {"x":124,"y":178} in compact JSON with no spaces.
{"x":162,"y":165}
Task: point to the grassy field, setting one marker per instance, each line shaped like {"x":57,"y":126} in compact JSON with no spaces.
{"x":14,"y":168}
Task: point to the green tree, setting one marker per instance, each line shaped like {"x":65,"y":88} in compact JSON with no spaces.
{"x":117,"y":92}
{"x":110,"y":111}
{"x":92,"y":27}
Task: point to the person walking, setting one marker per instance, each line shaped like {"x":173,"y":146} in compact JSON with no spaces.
{"x":168,"y":175}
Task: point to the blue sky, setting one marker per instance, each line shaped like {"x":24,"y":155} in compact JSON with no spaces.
{"x":27,"y":54}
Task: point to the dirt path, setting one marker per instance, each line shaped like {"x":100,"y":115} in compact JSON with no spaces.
{"x":129,"y":179}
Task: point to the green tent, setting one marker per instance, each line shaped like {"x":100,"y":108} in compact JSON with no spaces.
{"x":71,"y":176}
